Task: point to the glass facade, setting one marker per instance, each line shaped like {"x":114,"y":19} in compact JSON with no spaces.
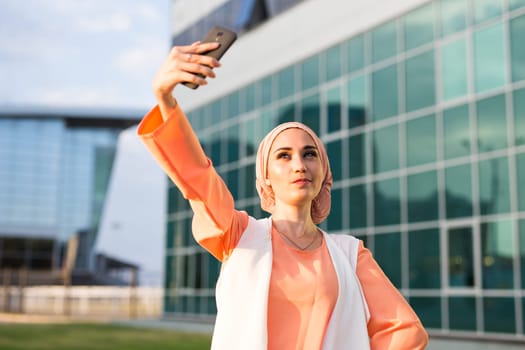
{"x":424,"y":121}
{"x":53,"y":182}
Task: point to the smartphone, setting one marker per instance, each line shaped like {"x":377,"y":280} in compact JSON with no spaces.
{"x":223,"y":36}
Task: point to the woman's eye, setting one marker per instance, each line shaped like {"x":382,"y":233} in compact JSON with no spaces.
{"x":310,"y":154}
{"x":283,"y":155}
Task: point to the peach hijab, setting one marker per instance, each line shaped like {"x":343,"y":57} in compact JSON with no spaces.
{"x":321,"y":204}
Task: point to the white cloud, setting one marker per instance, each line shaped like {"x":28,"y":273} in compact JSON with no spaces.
{"x":116,"y":22}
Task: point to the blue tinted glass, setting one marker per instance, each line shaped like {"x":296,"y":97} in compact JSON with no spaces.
{"x":387,"y":252}
{"x":520,"y":180}
{"x":385,"y":149}
{"x":286,"y":79}
{"x":462,"y":313}
{"x":424,"y":259}
{"x":384,"y":41}
{"x":286,"y":113}
{"x":266,"y":87}
{"x":428,"y":310}
{"x":387,"y":202}
{"x":456,"y":129}
{"x":357,"y":155}
{"x":311,"y":112}
{"x":489,"y":58}
{"x":486,"y":9}
{"x":497,"y":253}
{"x":422,"y":197}
{"x":515,"y":4}
{"x":458,"y":191}
{"x":358,"y":104}
{"x":335,"y":220}
{"x":494,"y":186}
{"x":421,"y":140}
{"x":333,"y":63}
{"x":453,"y":16}
{"x":460,"y":257}
{"x":521,"y":237}
{"x":517,"y":50}
{"x":454,"y":69}
{"x":492,"y":124}
{"x":519,"y":116}
{"x":419,"y":27}
{"x":335,"y":154}
{"x":334,"y":106}
{"x":384,"y":93}
{"x":358,"y":200}
{"x":356,"y":53}
{"x":419,"y":81}
{"x":499,"y":315}
{"x":310,"y":73}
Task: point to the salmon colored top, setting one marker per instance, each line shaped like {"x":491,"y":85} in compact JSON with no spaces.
{"x":217,"y":226}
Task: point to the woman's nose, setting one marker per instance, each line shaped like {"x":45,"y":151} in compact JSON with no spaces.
{"x":298,"y":165}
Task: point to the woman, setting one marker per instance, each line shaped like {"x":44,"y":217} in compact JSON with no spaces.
{"x":284,"y":283}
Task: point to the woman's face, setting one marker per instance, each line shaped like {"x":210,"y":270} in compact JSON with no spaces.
{"x":295,"y":172}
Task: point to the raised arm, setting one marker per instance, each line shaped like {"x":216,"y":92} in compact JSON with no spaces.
{"x":393,"y":324}
{"x":169,"y":137}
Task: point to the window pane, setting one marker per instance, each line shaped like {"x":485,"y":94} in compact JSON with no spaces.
{"x":387,"y":252}
{"x":460,"y":257}
{"x":385,"y":149}
{"x":334,"y":105}
{"x":266,"y":90}
{"x":458,"y":191}
{"x":356,"y":53}
{"x":286,"y":82}
{"x":520,"y":181}
{"x":335,"y":220}
{"x":421,"y":140}
{"x":497,"y":253}
{"x":422,"y":197}
{"x":492,"y":124}
{"x":311,"y":112}
{"x":428,"y":310}
{"x":494,"y":186}
{"x":357,"y":101}
{"x":521,"y":249}
{"x":519,"y":117}
{"x":358,"y":200}
{"x":515,"y":4}
{"x":357,"y":158}
{"x":486,"y":9}
{"x":286,"y":113}
{"x":456,"y":129}
{"x":453,"y":16}
{"x":334,"y":150}
{"x":517,"y":49}
{"x":419,"y":80}
{"x":333,"y":63}
{"x":454,"y":69}
{"x":310,"y":72}
{"x":499,"y":314}
{"x":384,"y":93}
{"x":424,"y":259}
{"x":462,"y":313}
{"x":233,"y":105}
{"x":489,"y":58}
{"x":249,"y":98}
{"x":419,"y":27}
{"x":387,"y":202}
{"x":384,"y":41}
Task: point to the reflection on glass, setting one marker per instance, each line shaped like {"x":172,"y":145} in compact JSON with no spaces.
{"x":384,"y":93}
{"x":310,"y":72}
{"x":458,"y":191}
{"x":428,"y":310}
{"x":489,"y":58}
{"x":419,"y":81}
{"x":387,"y":202}
{"x":453,"y":16}
{"x":387,"y":252}
{"x":357,"y":155}
{"x":494,"y":186}
{"x":460,"y":257}
{"x":421,"y":140}
{"x":492,"y":124}
{"x":462,"y":313}
{"x":422,"y":197}
{"x":456,"y":129}
{"x":385,"y":149}
{"x":499,"y":314}
{"x":486,"y":9}
{"x":333,"y":63}
{"x":497,"y":253}
{"x":454,"y":69}
{"x":384,"y":41}
{"x":419,"y":27}
{"x":424,"y":259}
{"x":311,"y":112}
{"x":519,"y":116}
{"x":334,"y":105}
{"x":517,"y":50}
{"x":358,"y":200}
{"x":286,"y":78}
{"x":357,"y":101}
{"x":356,"y":53}
{"x":520,"y":180}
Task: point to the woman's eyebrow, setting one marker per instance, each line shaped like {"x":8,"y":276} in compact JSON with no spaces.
{"x":286,"y":148}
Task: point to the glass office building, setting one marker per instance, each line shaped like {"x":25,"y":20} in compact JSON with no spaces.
{"x":423,"y":116}
{"x":55,"y":167}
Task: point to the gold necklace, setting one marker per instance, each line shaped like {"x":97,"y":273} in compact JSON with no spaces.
{"x":295,"y":244}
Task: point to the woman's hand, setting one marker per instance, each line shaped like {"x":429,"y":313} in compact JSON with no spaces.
{"x":183,"y":64}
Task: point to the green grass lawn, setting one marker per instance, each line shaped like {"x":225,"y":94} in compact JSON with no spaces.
{"x":96,"y":336}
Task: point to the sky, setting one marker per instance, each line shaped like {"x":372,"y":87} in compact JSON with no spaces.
{"x":97,"y":54}
{"x":85,"y":53}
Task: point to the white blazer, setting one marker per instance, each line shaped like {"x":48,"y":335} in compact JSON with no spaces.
{"x":242,"y":294}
